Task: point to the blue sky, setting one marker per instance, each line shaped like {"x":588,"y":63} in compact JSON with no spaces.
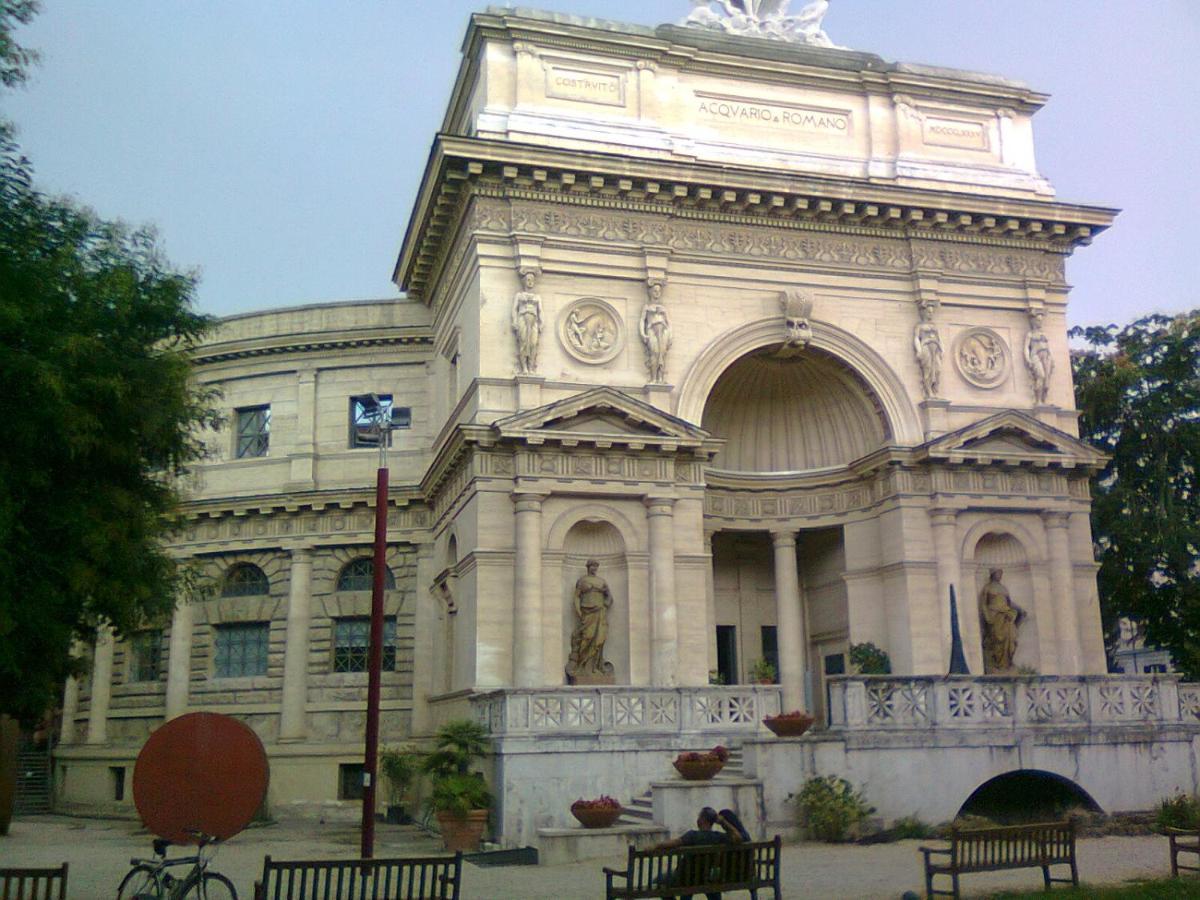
{"x":277,"y":146}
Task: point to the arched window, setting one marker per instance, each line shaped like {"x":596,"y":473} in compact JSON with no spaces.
{"x":359,"y":575}
{"x":245,"y":580}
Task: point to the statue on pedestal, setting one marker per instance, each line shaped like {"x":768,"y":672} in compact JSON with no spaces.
{"x":593,"y":599}
{"x":527,"y":323}
{"x":1001,"y":619}
{"x":655,"y":331}
{"x":928,"y":345}
{"x":1037,"y":357}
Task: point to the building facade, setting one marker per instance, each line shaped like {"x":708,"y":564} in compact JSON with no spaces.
{"x":775,"y":333}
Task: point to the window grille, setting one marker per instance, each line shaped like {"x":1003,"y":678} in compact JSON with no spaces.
{"x":351,"y":639}
{"x":245,"y":580}
{"x":253,"y":431}
{"x":359,"y":575}
{"x":241,"y":650}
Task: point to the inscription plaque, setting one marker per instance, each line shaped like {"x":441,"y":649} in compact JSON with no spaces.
{"x":786,"y":117}
{"x":585,"y":86}
{"x":954,"y":133}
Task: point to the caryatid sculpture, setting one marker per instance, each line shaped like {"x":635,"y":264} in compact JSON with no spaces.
{"x":1000,"y":618}
{"x":1038,"y":360}
{"x":927,"y":343}
{"x":655,"y":331}
{"x":592,"y":600}
{"x":796,"y":307}
{"x":763,"y":18}
{"x":527,"y":323}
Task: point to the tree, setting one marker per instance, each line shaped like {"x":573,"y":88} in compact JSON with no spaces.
{"x":1138,"y":392}
{"x":100,"y":420}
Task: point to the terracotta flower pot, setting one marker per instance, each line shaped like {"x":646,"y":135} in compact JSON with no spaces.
{"x":596,"y":817}
{"x":698,"y":769}
{"x":463,"y":832}
{"x":789,"y":726}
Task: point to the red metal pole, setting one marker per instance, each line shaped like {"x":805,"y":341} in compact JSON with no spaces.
{"x":375,"y":663}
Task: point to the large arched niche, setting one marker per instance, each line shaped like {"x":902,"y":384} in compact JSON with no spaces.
{"x":902,"y":423}
{"x":1001,"y":549}
{"x":601,"y":541}
{"x":792,"y":411}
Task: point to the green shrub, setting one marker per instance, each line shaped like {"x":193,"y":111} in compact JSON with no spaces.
{"x":910,"y":827}
{"x":830,"y":807}
{"x":869,"y":659}
{"x":1180,"y":811}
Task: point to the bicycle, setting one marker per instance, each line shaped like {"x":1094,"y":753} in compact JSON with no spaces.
{"x":150,"y":880}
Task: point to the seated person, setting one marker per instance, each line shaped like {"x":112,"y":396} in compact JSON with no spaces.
{"x":733,"y":832}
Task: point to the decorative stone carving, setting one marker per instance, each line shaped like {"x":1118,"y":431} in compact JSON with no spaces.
{"x":527,"y":323}
{"x":762,"y":18}
{"x":1000,"y":619}
{"x":591,"y":331}
{"x":1038,"y":359}
{"x":981,"y":357}
{"x":797,"y":307}
{"x":655,"y":331}
{"x":927,"y":343}
{"x":586,"y":664}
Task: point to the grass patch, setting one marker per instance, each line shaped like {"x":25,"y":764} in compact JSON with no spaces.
{"x":1157,"y":889}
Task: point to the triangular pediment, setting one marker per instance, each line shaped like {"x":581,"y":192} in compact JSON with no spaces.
{"x":602,"y":415}
{"x":1013,"y":438}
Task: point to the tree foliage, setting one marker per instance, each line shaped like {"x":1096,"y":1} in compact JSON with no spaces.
{"x":1138,"y":392}
{"x":100,"y":419}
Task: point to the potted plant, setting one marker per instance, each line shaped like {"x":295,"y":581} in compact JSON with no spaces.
{"x":763,"y":672}
{"x":789,"y":724}
{"x":867,"y":659}
{"x":400,"y":766}
{"x":599,"y":813}
{"x":458,"y":797}
{"x":695,"y":766}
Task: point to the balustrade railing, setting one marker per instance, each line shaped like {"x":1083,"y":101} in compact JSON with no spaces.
{"x":625,"y":710}
{"x":875,"y":702}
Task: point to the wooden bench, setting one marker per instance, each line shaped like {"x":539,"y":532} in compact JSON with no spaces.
{"x":33,"y":884}
{"x":413,"y":878}
{"x":1183,"y":840}
{"x":1010,"y":847}
{"x":682,"y":871}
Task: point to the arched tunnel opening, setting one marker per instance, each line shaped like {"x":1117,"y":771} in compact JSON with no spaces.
{"x":1028,"y":795}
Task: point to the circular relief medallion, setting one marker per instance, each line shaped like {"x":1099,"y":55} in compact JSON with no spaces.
{"x":591,"y":330}
{"x":981,"y":357}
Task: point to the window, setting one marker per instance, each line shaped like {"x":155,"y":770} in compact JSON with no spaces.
{"x":241,"y":650}
{"x":770,"y":647}
{"x":351,"y":638}
{"x":359,"y":575}
{"x":368,"y":411}
{"x":727,"y":653}
{"x":350,"y":781}
{"x":245,"y":580}
{"x":117,"y":778}
{"x":253,"y":431}
{"x":145,"y":655}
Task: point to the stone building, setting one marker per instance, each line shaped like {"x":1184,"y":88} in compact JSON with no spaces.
{"x":774,"y":332}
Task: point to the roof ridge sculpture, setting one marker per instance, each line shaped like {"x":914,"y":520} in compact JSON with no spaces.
{"x":763,"y":19}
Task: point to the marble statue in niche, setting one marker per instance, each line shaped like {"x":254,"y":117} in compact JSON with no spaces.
{"x":1037,"y":357}
{"x":592,"y":601}
{"x":527,"y":323}
{"x":927,"y":343}
{"x":655,"y":331}
{"x":1000,"y":618}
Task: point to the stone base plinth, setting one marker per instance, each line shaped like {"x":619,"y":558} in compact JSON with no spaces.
{"x":678,"y":802}
{"x":565,"y":845}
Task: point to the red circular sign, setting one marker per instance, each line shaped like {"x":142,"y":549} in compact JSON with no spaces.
{"x":201,"y":772}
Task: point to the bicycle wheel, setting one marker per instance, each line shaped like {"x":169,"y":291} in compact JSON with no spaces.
{"x":214,"y":886}
{"x":140,"y":883}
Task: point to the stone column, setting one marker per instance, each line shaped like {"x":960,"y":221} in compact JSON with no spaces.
{"x":664,"y":643}
{"x":790,"y":620}
{"x":949,"y":572}
{"x":102,"y":662}
{"x":295,"y":651}
{"x":710,"y":599}
{"x":179,"y":660}
{"x":426,"y":627}
{"x":1062,"y":593}
{"x":527,"y":591}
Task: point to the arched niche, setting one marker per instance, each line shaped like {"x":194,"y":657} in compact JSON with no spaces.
{"x":902,"y":423}
{"x":1003,"y":550}
{"x":792,"y":412}
{"x":1028,"y":795}
{"x":601,"y":541}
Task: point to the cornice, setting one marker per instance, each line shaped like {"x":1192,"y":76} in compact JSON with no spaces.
{"x":399,"y":497}
{"x":461,"y":167}
{"x":278,"y":345}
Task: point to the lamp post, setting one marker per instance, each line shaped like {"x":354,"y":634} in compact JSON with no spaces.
{"x":382,"y":429}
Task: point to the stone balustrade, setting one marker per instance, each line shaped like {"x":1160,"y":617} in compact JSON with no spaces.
{"x":625,"y":710}
{"x":880,"y":702}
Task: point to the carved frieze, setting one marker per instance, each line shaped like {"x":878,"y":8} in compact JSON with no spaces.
{"x":268,"y":527}
{"x":975,"y":260}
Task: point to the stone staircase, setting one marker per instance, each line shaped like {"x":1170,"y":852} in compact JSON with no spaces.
{"x":640,"y":810}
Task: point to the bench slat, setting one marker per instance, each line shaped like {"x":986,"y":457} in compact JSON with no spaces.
{"x":697,"y":870}
{"x":420,"y":878}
